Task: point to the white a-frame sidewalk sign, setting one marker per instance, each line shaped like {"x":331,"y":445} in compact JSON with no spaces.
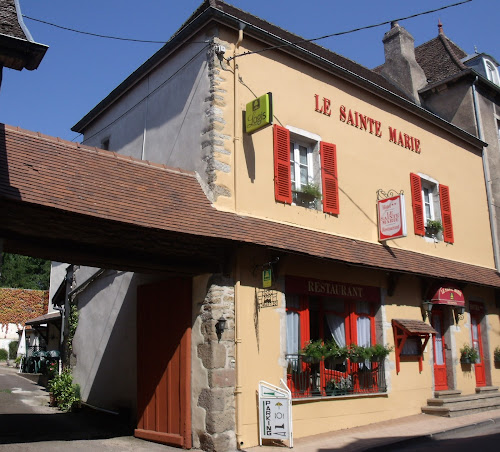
{"x":275,"y":412}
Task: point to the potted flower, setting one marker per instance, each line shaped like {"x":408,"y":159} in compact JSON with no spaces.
{"x":468,"y":354}
{"x":308,"y":195}
{"x":357,"y":353}
{"x":433,"y":227}
{"x":333,"y":353}
{"x":313,"y":352}
{"x":496,"y":355}
{"x":341,"y":386}
{"x":380,"y":351}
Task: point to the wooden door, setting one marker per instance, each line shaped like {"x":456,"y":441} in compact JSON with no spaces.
{"x":477,"y":343}
{"x":439,"y":347}
{"x":164,"y":362}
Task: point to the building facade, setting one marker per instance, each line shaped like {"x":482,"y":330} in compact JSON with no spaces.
{"x":298,"y":197}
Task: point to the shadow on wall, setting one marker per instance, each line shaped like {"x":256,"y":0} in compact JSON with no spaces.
{"x":105,"y":343}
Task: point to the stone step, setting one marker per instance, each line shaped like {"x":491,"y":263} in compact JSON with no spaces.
{"x":463,"y":408}
{"x":487,"y":389}
{"x":463,"y":398}
{"x":447,"y":393}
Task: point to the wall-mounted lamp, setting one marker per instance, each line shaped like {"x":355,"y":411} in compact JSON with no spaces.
{"x":220,"y":326}
{"x":426,"y":309}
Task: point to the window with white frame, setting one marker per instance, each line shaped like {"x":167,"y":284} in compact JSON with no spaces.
{"x":305,"y":170}
{"x":491,"y":72}
{"x":431,"y":208}
{"x":301,"y":165}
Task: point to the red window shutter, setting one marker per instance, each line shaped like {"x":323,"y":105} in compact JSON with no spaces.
{"x":417,"y":203}
{"x":329,"y":178}
{"x":282,"y":173}
{"x":444,"y":198}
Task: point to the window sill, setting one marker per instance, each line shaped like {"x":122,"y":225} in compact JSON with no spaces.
{"x":339,"y":397}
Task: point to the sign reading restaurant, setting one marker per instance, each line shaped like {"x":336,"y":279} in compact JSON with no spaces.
{"x":309,"y":286}
{"x":365,"y":123}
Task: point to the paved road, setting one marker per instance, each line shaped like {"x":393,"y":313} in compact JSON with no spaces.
{"x":28,"y":424}
{"x":484,"y":437}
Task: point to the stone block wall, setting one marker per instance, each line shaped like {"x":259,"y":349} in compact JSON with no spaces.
{"x":214,"y":384}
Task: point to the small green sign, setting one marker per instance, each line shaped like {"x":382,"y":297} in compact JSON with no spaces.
{"x":267,"y":278}
{"x":259,"y":113}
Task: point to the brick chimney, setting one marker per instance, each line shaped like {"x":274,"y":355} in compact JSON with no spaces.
{"x":401,"y":67}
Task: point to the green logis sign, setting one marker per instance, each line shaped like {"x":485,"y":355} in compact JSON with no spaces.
{"x":259,"y":113}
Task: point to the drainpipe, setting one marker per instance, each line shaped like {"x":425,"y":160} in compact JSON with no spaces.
{"x":237,"y":342}
{"x":487,"y":180}
{"x":237,"y":272}
{"x":236,"y":138}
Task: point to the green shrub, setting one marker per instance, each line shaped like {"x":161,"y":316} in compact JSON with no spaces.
{"x":13,"y":346}
{"x":3,"y":354}
{"x":66,"y":393}
{"x":313,"y":351}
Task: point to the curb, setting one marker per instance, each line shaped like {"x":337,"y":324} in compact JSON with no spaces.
{"x":421,"y":438}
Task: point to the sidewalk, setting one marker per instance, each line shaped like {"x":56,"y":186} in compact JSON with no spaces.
{"x":384,"y":433}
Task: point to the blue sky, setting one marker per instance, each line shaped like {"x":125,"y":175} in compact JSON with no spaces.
{"x":78,"y":70}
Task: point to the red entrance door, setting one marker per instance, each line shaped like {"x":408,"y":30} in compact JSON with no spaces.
{"x":164,"y":362}
{"x":477,"y":343}
{"x":440,"y":377}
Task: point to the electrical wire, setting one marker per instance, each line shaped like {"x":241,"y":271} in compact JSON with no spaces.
{"x":97,"y":35}
{"x":349,"y":31}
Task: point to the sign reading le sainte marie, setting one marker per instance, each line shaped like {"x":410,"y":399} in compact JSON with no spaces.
{"x":391,"y":218}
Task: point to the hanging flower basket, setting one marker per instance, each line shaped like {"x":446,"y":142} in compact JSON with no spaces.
{"x":468,"y":354}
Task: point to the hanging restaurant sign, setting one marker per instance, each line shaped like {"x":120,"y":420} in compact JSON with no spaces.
{"x":448,"y":294}
{"x":259,"y":113}
{"x":391,"y":218}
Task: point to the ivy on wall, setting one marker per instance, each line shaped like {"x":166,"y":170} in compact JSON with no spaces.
{"x":20,"y":305}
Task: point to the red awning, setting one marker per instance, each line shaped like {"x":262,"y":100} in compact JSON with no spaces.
{"x":448,"y":294}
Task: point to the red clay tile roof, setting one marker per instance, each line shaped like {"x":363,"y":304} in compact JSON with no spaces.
{"x":414,"y":327}
{"x":440,"y":58}
{"x":38,"y":170}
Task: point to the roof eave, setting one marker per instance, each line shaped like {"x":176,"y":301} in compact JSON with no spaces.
{"x":212,"y":13}
{"x":187,"y":30}
{"x":18,"y":54}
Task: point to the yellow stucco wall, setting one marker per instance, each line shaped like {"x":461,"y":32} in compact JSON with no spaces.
{"x":261,"y":336}
{"x":366,"y":163}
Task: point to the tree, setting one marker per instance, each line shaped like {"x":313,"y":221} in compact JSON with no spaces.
{"x":24,"y":272}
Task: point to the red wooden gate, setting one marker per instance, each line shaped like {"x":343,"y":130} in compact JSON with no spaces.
{"x":164,"y":362}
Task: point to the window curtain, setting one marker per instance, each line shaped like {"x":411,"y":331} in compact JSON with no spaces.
{"x":364,"y":334}
{"x":292,"y":333}
{"x":363,"y":324}
{"x":438,"y":340}
{"x":475,"y":338}
{"x":337,"y":328}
